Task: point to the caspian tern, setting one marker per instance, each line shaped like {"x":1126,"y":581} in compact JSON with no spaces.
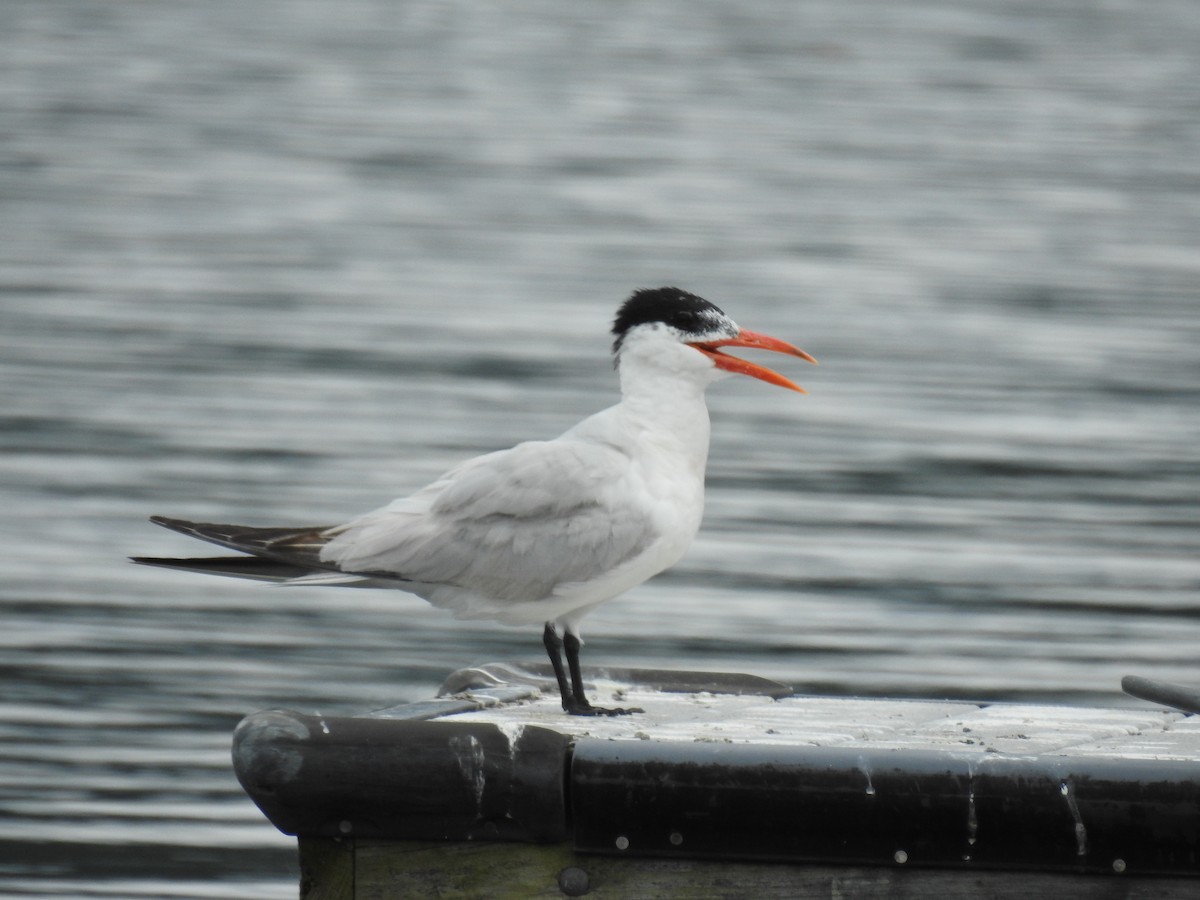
{"x":546,"y":531}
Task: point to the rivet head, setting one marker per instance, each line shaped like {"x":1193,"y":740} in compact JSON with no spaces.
{"x":900,"y":856}
{"x":573,"y":881}
{"x":345,"y":827}
{"x":1118,"y":865}
{"x":676,"y":839}
{"x":622,"y":843}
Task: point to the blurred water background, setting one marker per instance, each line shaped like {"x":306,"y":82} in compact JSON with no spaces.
{"x":279,"y":262}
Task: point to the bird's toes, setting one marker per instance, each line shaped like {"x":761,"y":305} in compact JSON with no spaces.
{"x":604,"y":711}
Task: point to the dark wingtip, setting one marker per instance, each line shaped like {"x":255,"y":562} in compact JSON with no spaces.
{"x":161,"y":562}
{"x":168,"y":522}
{"x":165,"y":561}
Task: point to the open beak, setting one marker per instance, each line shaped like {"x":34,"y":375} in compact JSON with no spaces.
{"x":753,"y":339}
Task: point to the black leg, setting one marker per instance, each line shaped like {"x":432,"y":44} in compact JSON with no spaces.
{"x":554,"y":649}
{"x":571,"y":644}
{"x":581,"y":706}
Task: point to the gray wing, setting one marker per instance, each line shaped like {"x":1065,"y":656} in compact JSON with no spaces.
{"x":510,"y":526}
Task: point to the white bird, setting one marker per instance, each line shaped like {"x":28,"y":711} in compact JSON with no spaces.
{"x":546,"y":531}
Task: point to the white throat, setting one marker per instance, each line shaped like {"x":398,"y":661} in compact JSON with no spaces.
{"x":662,"y":396}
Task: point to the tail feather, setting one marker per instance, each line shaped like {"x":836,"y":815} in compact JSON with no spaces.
{"x":257,"y":568}
{"x":295,"y":546}
{"x":281,"y":555}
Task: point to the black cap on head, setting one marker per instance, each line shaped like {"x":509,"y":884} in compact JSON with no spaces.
{"x":672,"y":306}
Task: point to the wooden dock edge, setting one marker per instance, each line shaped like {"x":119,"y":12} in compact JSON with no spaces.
{"x":380,"y":869}
{"x":732,"y":787}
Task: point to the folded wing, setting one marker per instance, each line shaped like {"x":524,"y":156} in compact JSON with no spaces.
{"x":510,"y":526}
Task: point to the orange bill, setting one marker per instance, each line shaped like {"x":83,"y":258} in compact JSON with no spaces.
{"x":756,"y":341}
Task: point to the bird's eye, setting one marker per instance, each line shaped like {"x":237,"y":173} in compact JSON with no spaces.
{"x":686,"y":320}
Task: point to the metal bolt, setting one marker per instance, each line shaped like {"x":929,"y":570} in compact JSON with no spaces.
{"x":345,"y":827}
{"x":676,"y":838}
{"x":573,"y":881}
{"x":622,"y":843}
{"x":1118,"y":865}
{"x":900,"y":856}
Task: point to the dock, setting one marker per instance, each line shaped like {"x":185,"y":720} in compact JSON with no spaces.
{"x":729,"y":786}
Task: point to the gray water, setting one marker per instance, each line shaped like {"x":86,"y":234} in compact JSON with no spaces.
{"x":279,"y":262}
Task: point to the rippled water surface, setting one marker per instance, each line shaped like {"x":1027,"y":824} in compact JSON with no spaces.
{"x":280,"y":262}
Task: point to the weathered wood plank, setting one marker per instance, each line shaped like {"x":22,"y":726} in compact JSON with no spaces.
{"x":1004,"y":728}
{"x":386,"y":870}
{"x":326,"y":869}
